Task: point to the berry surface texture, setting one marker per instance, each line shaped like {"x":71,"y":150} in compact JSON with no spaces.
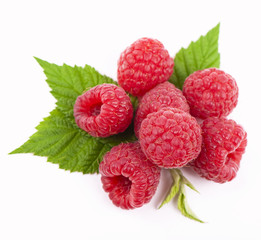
{"x":224,"y":143}
{"x":143,"y":65}
{"x":210,"y":93}
{"x":163,"y":95}
{"x":104,"y":110}
{"x":128,"y":176}
{"x":170,"y":137}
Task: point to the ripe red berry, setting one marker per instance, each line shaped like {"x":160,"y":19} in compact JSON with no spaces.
{"x":224,"y":142}
{"x":210,"y":93}
{"x":163,"y":95}
{"x":128,"y":176}
{"x":104,"y":110}
{"x":170,"y":138}
{"x":143,"y":65}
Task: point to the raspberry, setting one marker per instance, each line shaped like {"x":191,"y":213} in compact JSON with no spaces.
{"x":103,"y":110}
{"x":170,"y":137}
{"x":210,"y":93}
{"x":224,"y":142}
{"x":163,"y":95}
{"x":143,"y":65}
{"x":128,"y":176}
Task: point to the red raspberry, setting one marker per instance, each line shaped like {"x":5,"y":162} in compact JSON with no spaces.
{"x":143,"y":65}
{"x":224,"y":142}
{"x":103,"y":110}
{"x":210,"y":93}
{"x":170,"y":137}
{"x":128,"y":176}
{"x":163,"y":95}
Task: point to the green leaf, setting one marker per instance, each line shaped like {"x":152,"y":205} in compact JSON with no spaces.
{"x":58,"y":137}
{"x":184,"y":207}
{"x":185,"y":181}
{"x":199,"y":55}
{"x":67,"y":145}
{"x":178,"y":188}
{"x":67,"y":83}
{"x":174,"y":189}
{"x":134,"y":101}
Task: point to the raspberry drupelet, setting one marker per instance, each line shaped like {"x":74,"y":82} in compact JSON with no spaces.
{"x":128,"y":176}
{"x":170,"y":138}
{"x":210,"y":93}
{"x":104,"y":110}
{"x":163,"y":95}
{"x":224,"y":142}
{"x":143,"y":65}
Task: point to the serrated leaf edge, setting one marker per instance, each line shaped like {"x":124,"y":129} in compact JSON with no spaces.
{"x":174,"y":77}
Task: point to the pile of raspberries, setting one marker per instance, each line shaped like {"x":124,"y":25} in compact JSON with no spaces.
{"x":174,"y":128}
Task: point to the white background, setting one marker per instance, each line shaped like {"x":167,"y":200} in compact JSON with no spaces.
{"x":40,"y":201}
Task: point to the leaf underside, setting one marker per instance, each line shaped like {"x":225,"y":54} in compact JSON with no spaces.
{"x":174,"y":188}
{"x":184,"y":207}
{"x":178,"y":189}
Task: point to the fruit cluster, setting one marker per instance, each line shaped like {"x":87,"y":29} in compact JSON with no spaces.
{"x":174,"y":128}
